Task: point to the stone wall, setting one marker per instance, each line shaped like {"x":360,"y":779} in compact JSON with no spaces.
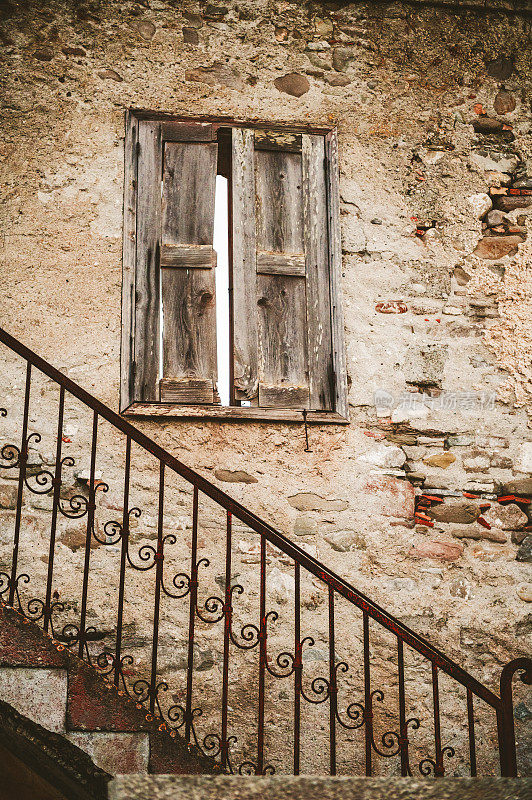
{"x":433,"y":113}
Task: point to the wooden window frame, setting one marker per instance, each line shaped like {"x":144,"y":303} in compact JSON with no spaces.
{"x":164,"y":410}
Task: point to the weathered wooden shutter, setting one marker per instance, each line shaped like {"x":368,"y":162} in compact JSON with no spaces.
{"x":174,"y":315}
{"x":145,"y":314}
{"x":281,"y":288}
{"x":189,"y":368}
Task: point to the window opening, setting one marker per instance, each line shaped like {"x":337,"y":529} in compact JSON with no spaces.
{"x":231,"y":266}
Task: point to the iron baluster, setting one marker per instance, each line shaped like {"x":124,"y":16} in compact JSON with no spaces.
{"x":23,"y":459}
{"x":438,"y":769}
{"x":123,"y":558}
{"x":368,"y":700}
{"x":333,"y":695}
{"x":157,"y":598}
{"x":429,"y":765}
{"x":262,"y":657}
{"x":227,"y":633}
{"x":90,"y":525}
{"x":403,"y":731}
{"x":471,"y":734}
{"x":298,"y":666}
{"x":55,"y":508}
{"x":192,"y":614}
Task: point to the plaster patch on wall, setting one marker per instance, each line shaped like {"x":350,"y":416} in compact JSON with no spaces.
{"x":510,"y":338}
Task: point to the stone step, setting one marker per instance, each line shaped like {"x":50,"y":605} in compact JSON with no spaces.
{"x":51,"y":686}
{"x":115,"y":752}
{"x":36,"y":764}
{"x":166,"y":787}
{"x":23,"y":644}
{"x":39,"y":694}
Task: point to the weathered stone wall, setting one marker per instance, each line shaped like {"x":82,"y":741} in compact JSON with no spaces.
{"x":433,"y":113}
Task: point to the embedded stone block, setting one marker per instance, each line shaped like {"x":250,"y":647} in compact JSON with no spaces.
{"x":39,"y":694}
{"x":8,"y":495}
{"x":117,"y":753}
{"x":293,"y":83}
{"x":234,"y":476}
{"x":308,"y":501}
{"x":440,"y":551}
{"x":458,"y":511}
{"x":493,"y":247}
{"x":508,"y":518}
{"x":425,"y":363}
{"x":390,"y":497}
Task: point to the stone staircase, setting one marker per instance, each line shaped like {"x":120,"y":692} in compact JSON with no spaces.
{"x":111,"y":703}
{"x":47,"y":683}
{"x":37,"y":763}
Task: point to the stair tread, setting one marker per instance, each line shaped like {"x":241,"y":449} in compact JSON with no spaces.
{"x":24,"y":644}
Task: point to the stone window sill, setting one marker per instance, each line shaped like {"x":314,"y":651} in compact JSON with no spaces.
{"x":231,"y":413}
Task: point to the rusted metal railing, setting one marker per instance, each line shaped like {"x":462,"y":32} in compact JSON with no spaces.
{"x":183,"y":716}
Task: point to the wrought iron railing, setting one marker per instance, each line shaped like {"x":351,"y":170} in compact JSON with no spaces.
{"x":312,"y":727}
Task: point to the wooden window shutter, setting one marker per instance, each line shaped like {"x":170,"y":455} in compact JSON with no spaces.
{"x":145,"y":328}
{"x":281,"y":285}
{"x":174,"y":267}
{"x":189,"y":368}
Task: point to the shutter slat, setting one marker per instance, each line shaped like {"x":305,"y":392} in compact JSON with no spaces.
{"x":279,"y":202}
{"x":189,"y":185}
{"x":129,"y":250}
{"x":278,"y":140}
{"x":146,"y":331}
{"x":283,"y":396}
{"x":188,"y":290}
{"x":281,"y":264}
{"x":244,"y":282}
{"x":187,"y":132}
{"x":281,"y":298}
{"x":317,"y":267}
{"x":188,"y":256}
{"x":283,"y":336}
{"x":186,"y":390}
{"x":189,"y":324}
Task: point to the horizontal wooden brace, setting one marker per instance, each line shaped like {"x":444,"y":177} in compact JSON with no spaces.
{"x":188,"y":132}
{"x":278,"y":140}
{"x":281,"y":264}
{"x":188,"y":256}
{"x":186,"y":390}
{"x":283,"y":396}
{"x":234,"y":122}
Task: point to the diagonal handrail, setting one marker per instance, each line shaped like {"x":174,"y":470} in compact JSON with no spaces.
{"x":502,"y":704}
{"x":257,"y":524}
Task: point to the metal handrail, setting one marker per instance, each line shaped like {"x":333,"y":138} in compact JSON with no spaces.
{"x":501,"y":704}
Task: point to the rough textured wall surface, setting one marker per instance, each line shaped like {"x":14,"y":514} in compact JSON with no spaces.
{"x":433,"y":113}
